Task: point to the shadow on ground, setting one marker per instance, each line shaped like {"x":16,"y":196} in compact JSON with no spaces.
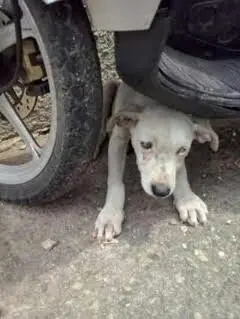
{"x":158,"y":269}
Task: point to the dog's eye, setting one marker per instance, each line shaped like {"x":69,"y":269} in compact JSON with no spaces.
{"x":146,"y":145}
{"x":181,"y":151}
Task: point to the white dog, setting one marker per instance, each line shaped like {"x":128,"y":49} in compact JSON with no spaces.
{"x":161,"y":138}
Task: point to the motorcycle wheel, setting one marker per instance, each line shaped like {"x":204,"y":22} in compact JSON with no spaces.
{"x":68,"y":52}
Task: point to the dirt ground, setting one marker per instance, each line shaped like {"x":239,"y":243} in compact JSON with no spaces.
{"x":159,"y":268}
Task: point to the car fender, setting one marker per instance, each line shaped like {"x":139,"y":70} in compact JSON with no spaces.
{"x":119,"y":15}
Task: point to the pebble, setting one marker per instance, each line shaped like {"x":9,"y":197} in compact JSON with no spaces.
{"x":234,"y":239}
{"x":201,"y":256}
{"x":49,"y":244}
{"x":179,"y":278}
{"x":191,"y":262}
{"x":184,"y":229}
{"x":184,"y":246}
{"x":197,"y":315}
{"x":36,"y":134}
{"x":229,"y":222}
{"x":173,"y":221}
{"x":87,"y":292}
{"x":22,"y":147}
{"x":153,"y":300}
{"x":221,"y":254}
{"x":77,"y":286}
{"x":234,"y":134}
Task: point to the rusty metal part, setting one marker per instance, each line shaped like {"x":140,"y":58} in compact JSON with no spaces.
{"x":18,"y":98}
{"x":38,"y":88}
{"x":34,"y":70}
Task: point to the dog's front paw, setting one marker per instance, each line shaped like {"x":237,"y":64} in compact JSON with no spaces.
{"x":192,"y":209}
{"x":108,"y":224}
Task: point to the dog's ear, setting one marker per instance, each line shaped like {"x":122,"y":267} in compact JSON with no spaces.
{"x":127,"y":117}
{"x":204,"y":133}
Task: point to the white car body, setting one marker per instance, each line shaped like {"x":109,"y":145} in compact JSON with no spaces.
{"x":119,"y":15}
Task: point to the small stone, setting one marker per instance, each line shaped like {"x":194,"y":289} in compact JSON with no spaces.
{"x":221,"y":254}
{"x":179,"y":278}
{"x":35,"y":134}
{"x":204,"y":195}
{"x":184,"y":229}
{"x":173,"y":221}
{"x":127,"y":288}
{"x":204,"y":175}
{"x":197,"y":315}
{"x":212,"y":229}
{"x":77,"y":286}
{"x":234,"y":239}
{"x":234,"y":134}
{"x":49,"y":244}
{"x":196,"y":252}
{"x":191,"y":262}
{"x":22,"y":147}
{"x":153,"y":300}
{"x":184,"y":246}
{"x":229,"y":222}
{"x":215,"y":269}
{"x":199,"y":253}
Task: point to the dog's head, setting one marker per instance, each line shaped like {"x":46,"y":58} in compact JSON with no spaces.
{"x":161,"y":140}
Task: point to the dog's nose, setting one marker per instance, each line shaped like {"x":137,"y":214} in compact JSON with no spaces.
{"x":160,"y":190}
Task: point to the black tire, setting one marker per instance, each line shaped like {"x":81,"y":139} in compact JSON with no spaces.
{"x":69,"y":42}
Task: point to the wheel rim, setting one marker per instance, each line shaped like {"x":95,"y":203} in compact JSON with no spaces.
{"x":21,"y":173}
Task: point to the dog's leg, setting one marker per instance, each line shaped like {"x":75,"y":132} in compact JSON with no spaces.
{"x":190,"y":207}
{"x":110,"y":219}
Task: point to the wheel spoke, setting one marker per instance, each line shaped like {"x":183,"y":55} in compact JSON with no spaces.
{"x":12,"y":116}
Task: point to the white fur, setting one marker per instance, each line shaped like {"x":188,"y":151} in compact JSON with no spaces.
{"x":141,"y":119}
